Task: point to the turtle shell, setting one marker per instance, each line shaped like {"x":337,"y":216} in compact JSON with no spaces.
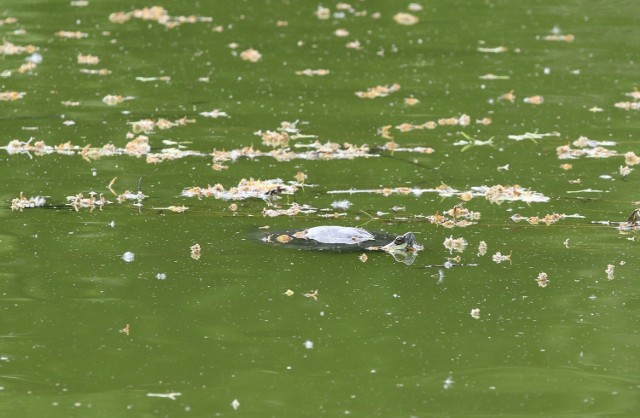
{"x":329,"y":238}
{"x":338,"y":235}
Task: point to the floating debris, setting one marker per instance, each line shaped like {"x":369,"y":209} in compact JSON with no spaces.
{"x":448,"y":382}
{"x":251,"y":55}
{"x":235,"y":404}
{"x":215,"y":114}
{"x":158,"y":14}
{"x":171,"y":395}
{"x":128,"y":256}
{"x":496,"y":50}
{"x":548,"y":219}
{"x":147,"y":126}
{"x":113,"y":100}
{"x":148,"y":79}
{"x":22,"y":202}
{"x":71,"y":35}
{"x":310,"y":73}
{"x":510,"y":96}
{"x":27,"y":67}
{"x":88,"y":59}
{"x":312,"y":294}
{"x":469,"y":142}
{"x":535,"y":100}
{"x":610,"y":271}
{"x":630,"y":158}
{"x":102,"y":71}
{"x":495,"y":194}
{"x":176,"y":209}
{"x":560,"y":38}
{"x":482,"y":248}
{"x":281,"y":136}
{"x":406,"y":19}
{"x":138,"y":146}
{"x":459,"y":217}
{"x":10,"y":96}
{"x":635,"y":94}
{"x":78,"y":201}
{"x":289,"y":292}
{"x":625,"y":170}
{"x":532,"y":136}
{"x":128,"y":195}
{"x":542,"y":279}
{"x":378,"y":91}
{"x":7,"y":48}
{"x":245,"y":189}
{"x":363,"y":257}
{"x":322,"y":13}
{"x":411,"y":101}
{"x":499,"y":258}
{"x":462,"y":120}
{"x":341,"y":33}
{"x":8,"y":21}
{"x":475,"y":313}
{"x":341,"y":204}
{"x":494,"y":77}
{"x":293,"y":210}
{"x":316,"y":151}
{"x":498,"y":194}
{"x":455,"y":244}
{"x":589,"y":148}
{"x":125,"y":330}
{"x":196,"y":251}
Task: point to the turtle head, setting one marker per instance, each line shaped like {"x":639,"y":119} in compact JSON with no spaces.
{"x":406,"y":242}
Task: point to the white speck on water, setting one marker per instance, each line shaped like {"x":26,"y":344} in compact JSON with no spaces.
{"x":448,"y":382}
{"x":161,"y":276}
{"x":395,"y":295}
{"x":34,"y":58}
{"x":171,"y":395}
{"x":235,"y":404}
{"x":547,"y":70}
{"x":593,"y":297}
{"x":341,"y":204}
{"x":128,"y":256}
{"x":308,"y":344}
{"x":112,"y":224}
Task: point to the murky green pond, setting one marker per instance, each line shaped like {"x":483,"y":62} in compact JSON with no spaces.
{"x":502,"y":134}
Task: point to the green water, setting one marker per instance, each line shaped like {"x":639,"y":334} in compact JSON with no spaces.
{"x":383,"y":338}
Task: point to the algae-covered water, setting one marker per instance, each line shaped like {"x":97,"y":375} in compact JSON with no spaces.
{"x":152,"y":157}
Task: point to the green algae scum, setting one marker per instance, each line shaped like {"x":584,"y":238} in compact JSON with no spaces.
{"x":159,"y":161}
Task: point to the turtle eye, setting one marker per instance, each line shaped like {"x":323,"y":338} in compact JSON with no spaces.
{"x":399,"y":241}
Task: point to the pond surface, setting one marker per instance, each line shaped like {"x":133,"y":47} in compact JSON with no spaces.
{"x":510,"y":125}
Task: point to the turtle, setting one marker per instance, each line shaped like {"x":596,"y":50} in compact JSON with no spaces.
{"x":348,"y":239}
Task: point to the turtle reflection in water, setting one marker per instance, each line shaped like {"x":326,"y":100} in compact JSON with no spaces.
{"x":403,"y":248}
